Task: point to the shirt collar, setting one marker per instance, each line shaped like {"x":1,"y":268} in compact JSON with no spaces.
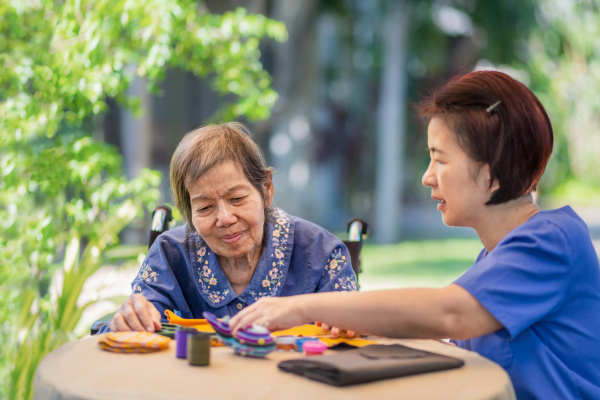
{"x":270,"y":273}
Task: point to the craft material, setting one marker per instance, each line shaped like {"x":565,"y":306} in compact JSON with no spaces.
{"x":201,"y":325}
{"x":351,"y":342}
{"x":308,"y":330}
{"x":300,"y":341}
{"x":132,"y":342}
{"x":255,"y":341}
{"x":314,"y":348}
{"x":198,"y":348}
{"x":286,"y":343}
{"x":167,"y":330}
{"x":181,"y":335}
{"x":302,"y":330}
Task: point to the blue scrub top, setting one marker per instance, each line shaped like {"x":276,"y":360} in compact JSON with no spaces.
{"x":542,"y":283}
{"x":181,"y":273}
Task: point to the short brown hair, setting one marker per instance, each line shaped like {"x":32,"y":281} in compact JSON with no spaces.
{"x":208,"y":146}
{"x":515,"y":138}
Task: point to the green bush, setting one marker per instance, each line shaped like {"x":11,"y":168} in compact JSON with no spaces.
{"x":63,"y":196}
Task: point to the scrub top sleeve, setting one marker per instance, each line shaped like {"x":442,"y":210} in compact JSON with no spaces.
{"x":524,"y":279}
{"x":338,"y":274}
{"x":156,"y":281}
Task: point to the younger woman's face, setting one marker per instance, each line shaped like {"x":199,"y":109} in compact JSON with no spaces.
{"x":458,"y":183}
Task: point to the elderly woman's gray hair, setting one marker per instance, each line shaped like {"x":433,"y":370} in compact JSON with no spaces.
{"x":211,"y":145}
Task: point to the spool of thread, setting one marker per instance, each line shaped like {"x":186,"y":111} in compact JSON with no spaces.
{"x":286,"y":343}
{"x":301,"y":340}
{"x":314,"y":348}
{"x":181,"y":335}
{"x":198,"y":348}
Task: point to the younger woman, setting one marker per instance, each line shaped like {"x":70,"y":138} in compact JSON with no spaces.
{"x":531,"y":301}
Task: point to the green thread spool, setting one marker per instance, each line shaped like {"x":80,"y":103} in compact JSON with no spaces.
{"x":198,"y":348}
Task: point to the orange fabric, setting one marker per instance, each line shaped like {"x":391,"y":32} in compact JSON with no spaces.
{"x":175,"y":319}
{"x":137,"y":339}
{"x":106,"y":347}
{"x":356,"y":342}
{"x":201,"y":325}
{"x":303,"y":330}
{"x":133,"y":342}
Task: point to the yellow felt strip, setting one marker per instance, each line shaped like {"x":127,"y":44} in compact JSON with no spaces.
{"x":137,"y":339}
{"x":303,"y":330}
{"x":103,"y":346}
{"x":177,"y":320}
{"x":353,"y":342}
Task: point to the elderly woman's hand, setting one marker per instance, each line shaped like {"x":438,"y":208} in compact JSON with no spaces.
{"x":136,"y":314}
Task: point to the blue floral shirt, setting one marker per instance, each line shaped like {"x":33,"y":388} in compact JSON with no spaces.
{"x":181,"y":273}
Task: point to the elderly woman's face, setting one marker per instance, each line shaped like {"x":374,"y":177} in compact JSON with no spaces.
{"x":227,"y":211}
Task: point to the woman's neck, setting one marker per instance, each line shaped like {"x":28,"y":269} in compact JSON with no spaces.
{"x":239,"y":271}
{"x":500,"y":219}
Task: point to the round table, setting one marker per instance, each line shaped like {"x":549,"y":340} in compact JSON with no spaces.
{"x":81,"y":370}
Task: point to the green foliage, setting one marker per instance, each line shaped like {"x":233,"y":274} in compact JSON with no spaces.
{"x":564,"y":63}
{"x":63,"y":196}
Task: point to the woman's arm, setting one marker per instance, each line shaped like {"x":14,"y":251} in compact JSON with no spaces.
{"x":153,"y":291}
{"x":416,"y":313}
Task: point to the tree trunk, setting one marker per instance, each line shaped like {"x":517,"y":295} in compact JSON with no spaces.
{"x":136,"y":146}
{"x":391,"y":127}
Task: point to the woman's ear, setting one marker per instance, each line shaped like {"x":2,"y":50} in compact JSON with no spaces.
{"x":491,"y":184}
{"x":269,"y":190}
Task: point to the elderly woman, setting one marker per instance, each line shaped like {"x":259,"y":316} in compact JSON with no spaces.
{"x":531,"y":301}
{"x":234,"y":248}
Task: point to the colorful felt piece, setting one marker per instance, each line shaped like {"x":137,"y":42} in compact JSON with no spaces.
{"x":133,"y":342}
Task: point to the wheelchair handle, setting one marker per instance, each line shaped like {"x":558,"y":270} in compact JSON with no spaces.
{"x":358,"y":229}
{"x":161,"y":218}
{"x":160,"y":222}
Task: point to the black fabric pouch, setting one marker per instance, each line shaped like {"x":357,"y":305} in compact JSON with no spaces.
{"x":369,"y":363}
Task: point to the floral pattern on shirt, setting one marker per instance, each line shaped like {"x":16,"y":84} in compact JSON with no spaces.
{"x":280,"y":241}
{"x":146,"y":274}
{"x":207,"y":277}
{"x":345,"y":284}
{"x":335,"y":264}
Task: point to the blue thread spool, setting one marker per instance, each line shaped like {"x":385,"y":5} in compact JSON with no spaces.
{"x":301,"y":340}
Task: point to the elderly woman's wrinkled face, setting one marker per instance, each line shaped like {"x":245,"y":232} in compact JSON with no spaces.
{"x":227,"y":211}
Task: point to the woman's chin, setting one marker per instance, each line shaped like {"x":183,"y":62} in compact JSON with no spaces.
{"x":236,"y":250}
{"x":454,"y":222}
{"x":448,"y":221}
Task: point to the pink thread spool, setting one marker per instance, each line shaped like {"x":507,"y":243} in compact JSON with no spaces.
{"x":314,"y":348}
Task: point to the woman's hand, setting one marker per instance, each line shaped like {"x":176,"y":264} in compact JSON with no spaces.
{"x":335,"y":331}
{"x":274,"y":313}
{"x":136,"y":314}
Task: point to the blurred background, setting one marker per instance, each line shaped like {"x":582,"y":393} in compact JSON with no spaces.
{"x":343,"y":134}
{"x":327,"y":87}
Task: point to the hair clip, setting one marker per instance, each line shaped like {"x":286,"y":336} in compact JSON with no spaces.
{"x":491,"y":108}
